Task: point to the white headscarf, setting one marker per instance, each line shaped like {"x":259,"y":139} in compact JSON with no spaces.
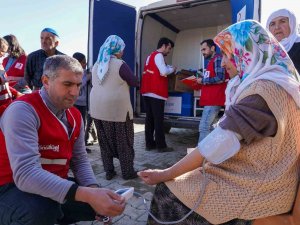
{"x":294,"y":36}
{"x":112,"y":45}
{"x":257,"y":55}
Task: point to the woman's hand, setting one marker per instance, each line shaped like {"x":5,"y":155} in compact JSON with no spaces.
{"x":152,"y":177}
{"x":190,"y":162}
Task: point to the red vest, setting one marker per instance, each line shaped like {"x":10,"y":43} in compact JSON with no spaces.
{"x":6,"y":97}
{"x":16,"y":70}
{"x":152,"y":81}
{"x":213,"y":94}
{"x":55,"y":146}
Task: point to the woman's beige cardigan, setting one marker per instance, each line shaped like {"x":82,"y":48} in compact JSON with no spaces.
{"x":261,"y":179}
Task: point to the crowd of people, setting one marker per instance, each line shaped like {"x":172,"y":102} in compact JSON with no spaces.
{"x":42,"y":136}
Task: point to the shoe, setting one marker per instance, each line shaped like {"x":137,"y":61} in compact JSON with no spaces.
{"x":166,"y":149}
{"x":150,"y":148}
{"x":88,"y":150}
{"x":110,"y":175}
{"x":131,"y":176}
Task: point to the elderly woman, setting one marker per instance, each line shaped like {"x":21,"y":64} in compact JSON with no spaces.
{"x":284,"y":26}
{"x":111,"y":108}
{"x":7,"y":93}
{"x":251,"y":168}
{"x":14,"y":64}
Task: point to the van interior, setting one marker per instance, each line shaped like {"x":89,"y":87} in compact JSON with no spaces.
{"x":186,"y":24}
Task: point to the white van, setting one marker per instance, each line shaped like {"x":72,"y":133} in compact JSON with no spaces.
{"x":186,"y":22}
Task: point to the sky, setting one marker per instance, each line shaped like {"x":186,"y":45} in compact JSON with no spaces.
{"x":26,"y":18}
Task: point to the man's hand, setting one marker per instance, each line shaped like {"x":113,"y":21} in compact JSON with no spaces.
{"x":199,"y":80}
{"x":103,"y":201}
{"x":153,"y":176}
{"x":175,"y":69}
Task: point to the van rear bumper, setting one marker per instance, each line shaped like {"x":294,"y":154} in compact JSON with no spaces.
{"x":178,"y":122}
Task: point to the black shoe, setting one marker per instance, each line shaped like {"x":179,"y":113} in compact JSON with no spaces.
{"x":131,"y":176}
{"x":110,"y":175}
{"x":166,"y":149}
{"x":150,"y":147}
{"x":88,"y":150}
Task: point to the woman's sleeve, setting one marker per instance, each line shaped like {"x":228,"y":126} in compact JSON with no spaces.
{"x":127,"y":75}
{"x":251,"y":118}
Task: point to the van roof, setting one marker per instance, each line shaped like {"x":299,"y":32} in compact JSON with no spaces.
{"x":193,"y":14}
{"x":163,"y":3}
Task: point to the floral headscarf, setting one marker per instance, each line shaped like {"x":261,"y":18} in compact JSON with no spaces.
{"x":112,"y":45}
{"x":257,"y":55}
{"x":289,"y":41}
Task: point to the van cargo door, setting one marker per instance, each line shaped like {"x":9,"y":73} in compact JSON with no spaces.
{"x":245,"y":9}
{"x":107,"y":18}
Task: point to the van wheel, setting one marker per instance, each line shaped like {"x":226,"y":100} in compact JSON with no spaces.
{"x":167,"y":129}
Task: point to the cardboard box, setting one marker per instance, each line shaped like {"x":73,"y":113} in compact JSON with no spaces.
{"x":175,"y":85}
{"x":188,"y":72}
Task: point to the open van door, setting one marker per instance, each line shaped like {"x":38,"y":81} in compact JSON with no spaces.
{"x":106,"y":18}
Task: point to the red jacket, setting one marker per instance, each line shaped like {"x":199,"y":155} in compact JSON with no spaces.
{"x":152,"y":81}
{"x":213,"y":94}
{"x":16,"y":70}
{"x":55,"y":145}
{"x":7,"y":94}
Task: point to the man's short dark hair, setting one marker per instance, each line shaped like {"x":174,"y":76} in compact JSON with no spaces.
{"x":164,"y":41}
{"x":209,"y":43}
{"x":79,"y":56}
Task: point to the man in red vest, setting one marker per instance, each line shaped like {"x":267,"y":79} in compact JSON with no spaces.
{"x":41,"y":138}
{"x":214,"y":82}
{"x":154,"y":89}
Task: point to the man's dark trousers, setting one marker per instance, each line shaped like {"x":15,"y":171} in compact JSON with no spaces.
{"x":18,"y":207}
{"x":154,"y":124}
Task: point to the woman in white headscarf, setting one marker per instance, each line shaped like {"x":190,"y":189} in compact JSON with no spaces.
{"x":284,"y":26}
{"x":251,"y":169}
{"x":111,"y":108}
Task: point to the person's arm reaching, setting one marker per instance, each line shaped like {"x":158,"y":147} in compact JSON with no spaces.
{"x":162,"y":67}
{"x":190,"y":162}
{"x":249,"y":120}
{"x":127,"y":75}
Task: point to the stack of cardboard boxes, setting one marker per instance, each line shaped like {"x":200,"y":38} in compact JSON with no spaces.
{"x":180,"y":101}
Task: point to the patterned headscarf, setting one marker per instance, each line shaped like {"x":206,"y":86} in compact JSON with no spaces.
{"x":257,"y":55}
{"x":112,"y":45}
{"x":289,"y":41}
